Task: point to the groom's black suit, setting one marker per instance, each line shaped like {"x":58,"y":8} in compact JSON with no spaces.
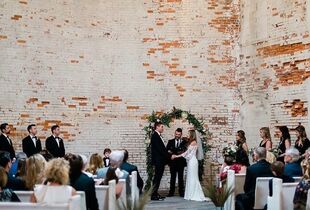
{"x":160,"y":158}
{"x":177,"y":165}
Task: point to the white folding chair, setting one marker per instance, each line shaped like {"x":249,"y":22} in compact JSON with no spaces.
{"x":24,"y":196}
{"x":236,"y":183}
{"x":102,"y":194}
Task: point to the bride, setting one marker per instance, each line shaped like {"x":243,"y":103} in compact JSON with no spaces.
{"x":193,"y":190}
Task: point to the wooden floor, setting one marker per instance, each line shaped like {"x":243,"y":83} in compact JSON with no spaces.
{"x":172,"y":203}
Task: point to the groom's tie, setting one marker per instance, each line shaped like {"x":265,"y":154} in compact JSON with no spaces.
{"x":178,"y":143}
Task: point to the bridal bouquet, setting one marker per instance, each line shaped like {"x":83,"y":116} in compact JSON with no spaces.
{"x":230,"y":150}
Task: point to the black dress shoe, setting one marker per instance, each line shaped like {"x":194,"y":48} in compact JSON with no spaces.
{"x":157,"y":198}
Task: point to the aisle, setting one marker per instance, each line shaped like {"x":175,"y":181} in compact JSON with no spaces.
{"x":176,"y":202}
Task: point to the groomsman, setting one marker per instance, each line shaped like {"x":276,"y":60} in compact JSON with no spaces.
{"x":177,"y":146}
{"x":31,"y":144}
{"x":5,"y":141}
{"x":54,"y":144}
{"x":160,"y":158}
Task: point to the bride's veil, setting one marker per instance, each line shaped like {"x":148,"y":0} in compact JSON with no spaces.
{"x":200,"y":155}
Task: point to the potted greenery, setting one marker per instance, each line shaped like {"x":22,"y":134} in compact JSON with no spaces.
{"x":218,"y":195}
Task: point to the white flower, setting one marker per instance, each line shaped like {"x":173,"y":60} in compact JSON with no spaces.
{"x":184,"y":115}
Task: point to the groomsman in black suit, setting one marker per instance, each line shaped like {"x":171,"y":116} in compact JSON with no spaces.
{"x":160,"y":158}
{"x":177,"y":146}
{"x":5,"y":141}
{"x":31,"y":144}
{"x":54,"y":144}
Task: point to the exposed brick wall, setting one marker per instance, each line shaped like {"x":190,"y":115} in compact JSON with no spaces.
{"x":274,"y":65}
{"x":98,"y":68}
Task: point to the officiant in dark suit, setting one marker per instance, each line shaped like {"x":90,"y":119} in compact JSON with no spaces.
{"x":31,"y":144}
{"x":6,"y":143}
{"x":54,"y":144}
{"x":160,"y":158}
{"x":177,"y":146}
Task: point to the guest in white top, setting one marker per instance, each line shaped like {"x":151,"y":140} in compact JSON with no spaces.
{"x":55,"y":189}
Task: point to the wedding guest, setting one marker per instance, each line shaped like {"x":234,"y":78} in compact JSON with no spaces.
{"x":85,"y":161}
{"x":285,"y":141}
{"x":95,"y":162}
{"x":277,"y":169}
{"x":302,"y":143}
{"x":266,"y":138}
{"x":15,"y":165}
{"x":35,"y":166}
{"x":21,"y":169}
{"x":106,"y":159}
{"x":54,"y":144}
{"x":111,"y":175}
{"x":47,"y":156}
{"x":292,"y":165}
{"x":55,"y":189}
{"x":6,"y":194}
{"x":260,"y":169}
{"x":31,"y":144}
{"x":12,"y":183}
{"x":116,"y":160}
{"x":130,"y":168}
{"x":81,"y":182}
{"x":301,"y":192}
{"x":228,"y":162}
{"x":241,"y":141}
{"x":6,"y":143}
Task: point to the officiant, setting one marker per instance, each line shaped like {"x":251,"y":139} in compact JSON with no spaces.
{"x":177,"y":146}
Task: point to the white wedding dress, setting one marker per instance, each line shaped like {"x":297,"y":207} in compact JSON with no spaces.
{"x":193,"y":189}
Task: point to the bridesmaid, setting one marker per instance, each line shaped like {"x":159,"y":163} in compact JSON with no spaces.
{"x":285,"y":141}
{"x":265,"y":135}
{"x":302,"y":143}
{"x":241,"y":141}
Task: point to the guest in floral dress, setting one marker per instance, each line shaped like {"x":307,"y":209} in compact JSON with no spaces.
{"x":301,"y":193}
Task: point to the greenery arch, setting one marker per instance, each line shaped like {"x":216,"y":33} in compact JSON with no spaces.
{"x":166,"y":119}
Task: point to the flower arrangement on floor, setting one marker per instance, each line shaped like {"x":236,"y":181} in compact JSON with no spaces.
{"x":166,"y":119}
{"x":218,"y":195}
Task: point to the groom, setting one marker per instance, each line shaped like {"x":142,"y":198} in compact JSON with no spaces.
{"x":177,"y":146}
{"x":160,"y":157}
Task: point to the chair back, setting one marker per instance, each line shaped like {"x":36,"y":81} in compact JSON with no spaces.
{"x":261,"y":192}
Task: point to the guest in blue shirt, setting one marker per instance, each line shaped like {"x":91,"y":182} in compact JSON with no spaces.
{"x":292,"y":165}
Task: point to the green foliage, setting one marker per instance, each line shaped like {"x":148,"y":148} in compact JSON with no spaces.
{"x":166,"y":119}
{"x":218,"y":195}
{"x":140,"y":205}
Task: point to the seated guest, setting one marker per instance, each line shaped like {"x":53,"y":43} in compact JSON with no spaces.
{"x":12,"y":183}
{"x":55,"y":189}
{"x":116,"y":159}
{"x":84,"y":158}
{"x":260,"y":169}
{"x":302,"y":143}
{"x":35,"y":166}
{"x":130,"y":168}
{"x":292,"y":166}
{"x":228,"y":162}
{"x":301,"y":192}
{"x":6,"y":195}
{"x":81,"y":182}
{"x":47,"y":156}
{"x":95,"y":162}
{"x":106,"y":154}
{"x":15,"y":165}
{"x":111,"y":175}
{"x":277,"y":169}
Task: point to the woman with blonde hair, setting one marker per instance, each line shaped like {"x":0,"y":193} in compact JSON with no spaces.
{"x":265,"y":135}
{"x":55,"y":189}
{"x":35,"y":166}
{"x":95,"y":162}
